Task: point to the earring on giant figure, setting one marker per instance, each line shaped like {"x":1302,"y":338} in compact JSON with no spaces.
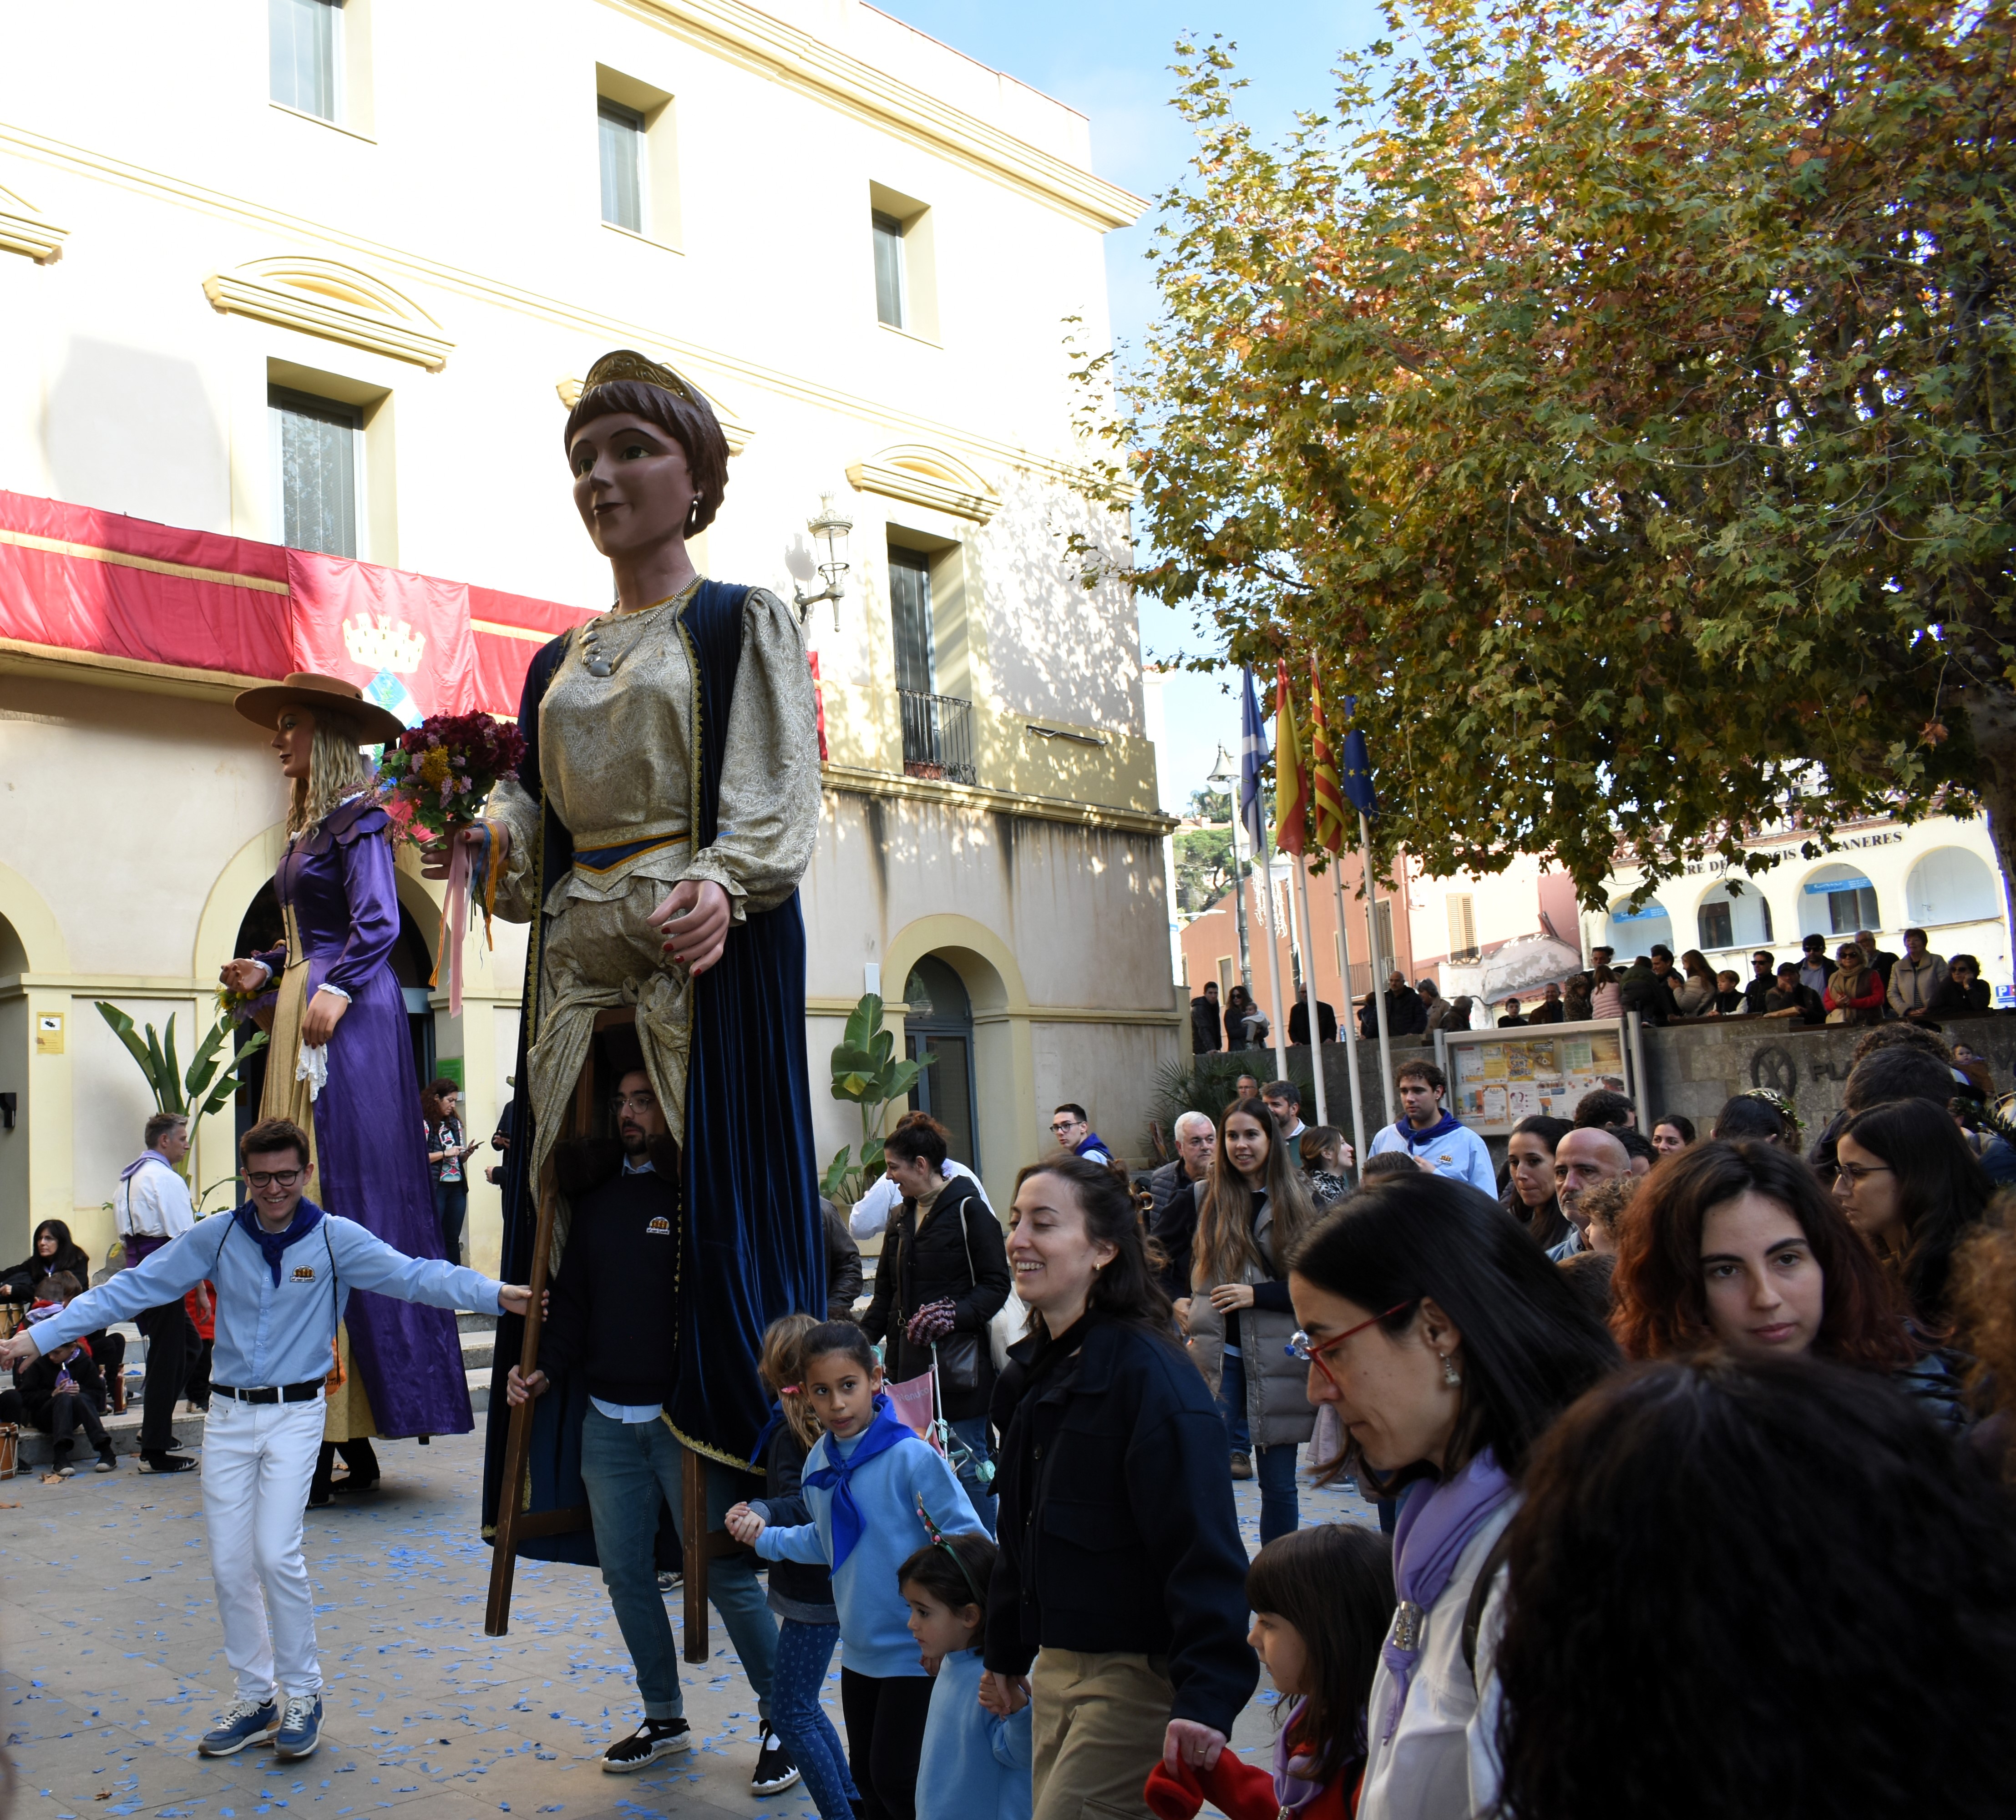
{"x":1450,"y":1374}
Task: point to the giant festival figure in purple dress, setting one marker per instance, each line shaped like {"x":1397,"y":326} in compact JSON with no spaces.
{"x":336,"y":1005}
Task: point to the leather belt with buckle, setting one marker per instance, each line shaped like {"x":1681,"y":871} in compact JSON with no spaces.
{"x":271,"y":1393}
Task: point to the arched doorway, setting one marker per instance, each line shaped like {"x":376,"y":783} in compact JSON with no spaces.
{"x":939,"y":1022}
{"x":263,"y":929}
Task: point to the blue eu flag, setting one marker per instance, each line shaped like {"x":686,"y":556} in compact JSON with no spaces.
{"x":1356,"y":766}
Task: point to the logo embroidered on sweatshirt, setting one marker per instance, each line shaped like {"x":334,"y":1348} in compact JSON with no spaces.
{"x":303,"y":1273}
{"x":660,"y":1228}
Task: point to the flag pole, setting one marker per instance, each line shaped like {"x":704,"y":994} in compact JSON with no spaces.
{"x":1280,"y":1034}
{"x":1307,"y":940}
{"x":1378,"y":984}
{"x":1349,"y":1032}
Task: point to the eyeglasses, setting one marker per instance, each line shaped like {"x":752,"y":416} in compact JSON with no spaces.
{"x":1852,"y":1173}
{"x":625,"y":1103}
{"x":1064,"y":1125}
{"x":1311,"y":1351}
{"x":274,"y":1178}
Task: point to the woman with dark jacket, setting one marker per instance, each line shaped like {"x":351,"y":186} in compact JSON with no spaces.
{"x":54,"y":1252}
{"x":1962,"y":993}
{"x":942,"y":1278}
{"x":1121,"y":1577}
{"x":1529,"y":1196}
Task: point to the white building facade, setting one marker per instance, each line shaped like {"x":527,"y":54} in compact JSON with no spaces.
{"x":324,"y":275}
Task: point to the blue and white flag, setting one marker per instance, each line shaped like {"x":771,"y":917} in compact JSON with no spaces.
{"x":1253,"y":755}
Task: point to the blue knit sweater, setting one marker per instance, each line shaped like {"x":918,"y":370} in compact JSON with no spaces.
{"x":974,"y":1765}
{"x":874,"y":1629}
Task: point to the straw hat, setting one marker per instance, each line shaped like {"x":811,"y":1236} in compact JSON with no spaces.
{"x":322,"y":695}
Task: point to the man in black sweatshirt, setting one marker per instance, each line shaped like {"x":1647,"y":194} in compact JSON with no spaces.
{"x":611,"y":1320}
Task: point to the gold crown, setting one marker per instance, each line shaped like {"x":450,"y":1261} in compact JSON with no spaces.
{"x":383,"y":643}
{"x":624,"y":364}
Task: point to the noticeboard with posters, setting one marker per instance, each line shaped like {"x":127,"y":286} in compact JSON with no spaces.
{"x":1497,"y":1077}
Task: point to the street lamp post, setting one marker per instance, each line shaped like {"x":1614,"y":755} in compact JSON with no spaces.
{"x":1225,"y":776}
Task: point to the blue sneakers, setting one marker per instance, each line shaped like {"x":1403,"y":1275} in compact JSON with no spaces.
{"x":247,"y":1722}
{"x":300,"y":1731}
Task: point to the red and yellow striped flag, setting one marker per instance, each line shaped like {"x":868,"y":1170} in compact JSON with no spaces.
{"x":1328,"y":793}
{"x":1291,"y":785}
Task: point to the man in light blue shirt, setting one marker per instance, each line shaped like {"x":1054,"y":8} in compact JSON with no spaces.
{"x":1429,"y":1133}
{"x":283,"y":1270}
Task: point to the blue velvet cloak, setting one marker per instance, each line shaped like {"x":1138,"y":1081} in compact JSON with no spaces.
{"x":752,"y":1243}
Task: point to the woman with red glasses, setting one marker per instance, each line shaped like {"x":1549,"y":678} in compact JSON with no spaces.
{"x":1447,"y":1344}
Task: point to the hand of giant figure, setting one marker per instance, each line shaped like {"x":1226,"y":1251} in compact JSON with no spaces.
{"x":654,"y":838}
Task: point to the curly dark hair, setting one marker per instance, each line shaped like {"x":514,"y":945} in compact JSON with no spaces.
{"x":1660,"y":1300}
{"x":1941,"y":1191}
{"x":1984,"y":1296}
{"x":1530,"y":1344}
{"x":1795,"y":1595}
{"x":1333,"y":1583}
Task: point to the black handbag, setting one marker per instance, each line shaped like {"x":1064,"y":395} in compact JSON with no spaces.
{"x":955,"y":1356}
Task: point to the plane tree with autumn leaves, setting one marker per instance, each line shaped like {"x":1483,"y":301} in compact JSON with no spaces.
{"x":1617,"y":399}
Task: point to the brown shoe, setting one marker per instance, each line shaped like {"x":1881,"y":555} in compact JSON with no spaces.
{"x":1242,"y":1465}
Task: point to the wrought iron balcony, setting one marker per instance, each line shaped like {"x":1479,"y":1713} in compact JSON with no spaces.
{"x":938,"y":737}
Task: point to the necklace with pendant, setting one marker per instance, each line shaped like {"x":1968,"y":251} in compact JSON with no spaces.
{"x":600,"y":663}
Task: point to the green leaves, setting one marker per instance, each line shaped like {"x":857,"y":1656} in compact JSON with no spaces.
{"x":866,"y":1071}
{"x":209,"y":1080}
{"x":1611,"y":398}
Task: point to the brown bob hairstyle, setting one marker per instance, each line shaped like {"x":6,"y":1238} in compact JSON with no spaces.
{"x":690,"y":421}
{"x":1659,"y":1302}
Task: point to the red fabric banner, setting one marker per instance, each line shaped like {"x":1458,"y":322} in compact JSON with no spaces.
{"x":82,"y":580}
{"x":86,"y":581}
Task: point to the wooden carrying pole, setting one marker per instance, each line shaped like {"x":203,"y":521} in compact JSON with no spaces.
{"x":698,"y":1546}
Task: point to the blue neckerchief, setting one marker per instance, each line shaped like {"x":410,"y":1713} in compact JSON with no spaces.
{"x":881,"y":1434}
{"x":306,"y":1218}
{"x":1440,"y":1128}
{"x":774,"y":1421}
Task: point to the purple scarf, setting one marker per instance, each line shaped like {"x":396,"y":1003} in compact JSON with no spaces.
{"x":1292,"y":1793}
{"x":1440,"y":1128}
{"x":140,"y":1163}
{"x":1436,"y":1524}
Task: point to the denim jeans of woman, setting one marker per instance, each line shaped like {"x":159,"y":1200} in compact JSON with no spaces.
{"x":1280,"y":1509}
{"x":972,"y":1434}
{"x":805,"y":1652}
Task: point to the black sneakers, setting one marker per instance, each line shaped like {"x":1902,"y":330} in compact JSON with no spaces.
{"x":167,"y":1462}
{"x":654,"y":1738}
{"x":775,"y":1770}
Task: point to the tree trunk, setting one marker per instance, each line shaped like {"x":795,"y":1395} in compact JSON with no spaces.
{"x":1991,"y":715}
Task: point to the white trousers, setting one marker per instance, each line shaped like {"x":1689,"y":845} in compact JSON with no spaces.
{"x":257,"y":1461}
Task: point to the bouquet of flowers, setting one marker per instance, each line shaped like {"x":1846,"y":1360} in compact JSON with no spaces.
{"x":433,"y":785}
{"x":434,"y":781}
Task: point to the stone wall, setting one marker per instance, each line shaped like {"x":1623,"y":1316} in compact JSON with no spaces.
{"x":1691,"y":1069}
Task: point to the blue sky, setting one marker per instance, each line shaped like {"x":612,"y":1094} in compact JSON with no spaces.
{"x":1110,"y":59}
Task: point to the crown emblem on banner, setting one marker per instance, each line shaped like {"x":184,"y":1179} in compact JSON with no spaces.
{"x":383,"y":643}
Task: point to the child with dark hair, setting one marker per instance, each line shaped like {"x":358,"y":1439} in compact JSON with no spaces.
{"x":975,"y":1763}
{"x":62,"y":1391}
{"x":865,"y":1482}
{"x":1322,"y":1601}
{"x":801,"y":1592}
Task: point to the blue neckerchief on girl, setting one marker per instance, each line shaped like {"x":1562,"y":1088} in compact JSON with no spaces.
{"x":306,"y":1216}
{"x":772,"y":1422}
{"x":883,"y":1432}
{"x":1440,"y":1128}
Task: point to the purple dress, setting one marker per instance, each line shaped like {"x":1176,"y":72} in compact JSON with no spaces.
{"x":336,"y":886}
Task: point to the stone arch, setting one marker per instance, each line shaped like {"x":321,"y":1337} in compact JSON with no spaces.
{"x":40,"y":937}
{"x":1004,"y":1066}
{"x":920,"y":475}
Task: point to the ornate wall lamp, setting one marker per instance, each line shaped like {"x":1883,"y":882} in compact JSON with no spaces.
{"x":833,"y":528}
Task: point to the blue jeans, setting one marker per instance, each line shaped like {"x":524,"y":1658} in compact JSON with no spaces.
{"x":805,"y":1652}
{"x":626,"y":1466}
{"x":1274,"y":1467}
{"x":972,"y":1434}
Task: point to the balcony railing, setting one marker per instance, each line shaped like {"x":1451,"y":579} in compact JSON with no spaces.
{"x":938,"y":737}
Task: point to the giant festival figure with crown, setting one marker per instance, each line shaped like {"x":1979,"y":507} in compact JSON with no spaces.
{"x":654,"y":837}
